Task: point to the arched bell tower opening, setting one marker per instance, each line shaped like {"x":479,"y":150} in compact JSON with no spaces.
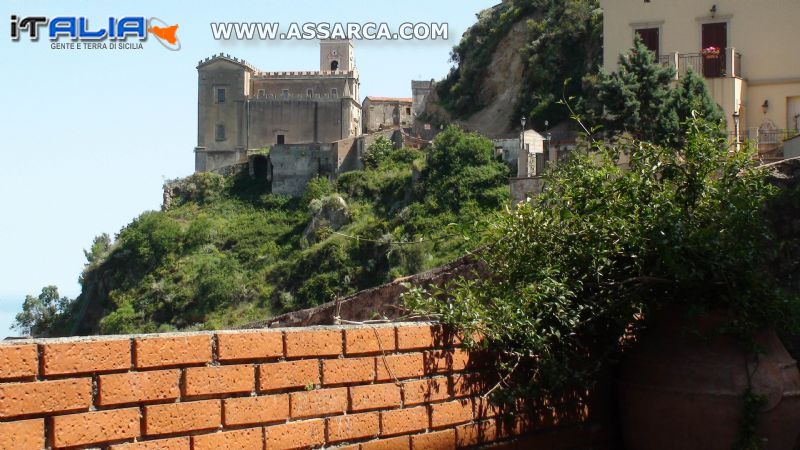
{"x":336,"y":54}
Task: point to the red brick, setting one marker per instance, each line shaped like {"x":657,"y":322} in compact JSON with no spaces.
{"x":353,"y":426}
{"x":362,"y":341}
{"x":86,"y":357}
{"x":95,"y":427}
{"x":450,"y":413}
{"x":18,"y":399}
{"x":181,"y":417}
{"x":308,"y":433}
{"x":476,"y":433}
{"x":290,"y":374}
{"x":249,"y":345}
{"x":218,"y":380}
{"x":313,"y":343}
{"x":22,"y":435}
{"x":439,"y":440}
{"x":397,"y":443}
{"x":180,"y":443}
{"x":18,"y":361}
{"x":352,"y":370}
{"x":444,"y":361}
{"x":424,"y":391}
{"x":402,"y":366}
{"x":346,"y":447}
{"x":483,"y":408}
{"x":255,"y":410}
{"x":173,"y":351}
{"x":136,"y":387}
{"x":249,"y":439}
{"x":469,"y":385}
{"x":318,"y":402}
{"x":374,"y":396}
{"x":400,"y":421}
{"x":418,"y":337}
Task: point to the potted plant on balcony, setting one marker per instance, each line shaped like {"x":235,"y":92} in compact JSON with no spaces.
{"x":710,"y":52}
{"x":664,"y":263}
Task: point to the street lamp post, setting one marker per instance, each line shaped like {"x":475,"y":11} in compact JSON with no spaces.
{"x":547,"y":140}
{"x":522,"y":121}
{"x":736,"y":119}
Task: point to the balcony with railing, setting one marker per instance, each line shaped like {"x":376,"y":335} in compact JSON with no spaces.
{"x":724,"y":64}
{"x":768,"y":142}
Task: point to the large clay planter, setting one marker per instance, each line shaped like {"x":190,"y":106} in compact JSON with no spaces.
{"x":678,"y":390}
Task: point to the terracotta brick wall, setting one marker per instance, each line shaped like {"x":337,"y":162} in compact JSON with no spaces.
{"x":402,"y":386}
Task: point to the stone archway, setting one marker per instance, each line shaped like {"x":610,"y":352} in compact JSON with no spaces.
{"x":260,"y":167}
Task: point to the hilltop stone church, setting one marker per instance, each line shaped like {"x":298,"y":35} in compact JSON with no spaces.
{"x":241,"y":108}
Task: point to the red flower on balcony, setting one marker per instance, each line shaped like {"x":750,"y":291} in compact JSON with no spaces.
{"x":710,"y":51}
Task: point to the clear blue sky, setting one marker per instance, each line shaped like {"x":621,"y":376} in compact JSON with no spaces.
{"x":90,"y":136}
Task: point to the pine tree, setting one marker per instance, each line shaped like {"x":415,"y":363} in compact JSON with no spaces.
{"x":692,"y":95}
{"x":638,"y":99}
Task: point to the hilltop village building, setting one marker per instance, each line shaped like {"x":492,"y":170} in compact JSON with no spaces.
{"x":386,"y":112}
{"x":745,"y":51}
{"x":289,"y":127}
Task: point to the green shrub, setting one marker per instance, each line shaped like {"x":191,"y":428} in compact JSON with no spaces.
{"x":377,"y":153}
{"x":317,"y":187}
{"x":571,"y":269}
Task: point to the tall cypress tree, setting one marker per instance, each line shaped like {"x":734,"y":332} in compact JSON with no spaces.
{"x":637,"y":98}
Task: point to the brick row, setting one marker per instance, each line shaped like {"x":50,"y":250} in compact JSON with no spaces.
{"x":102,"y":355}
{"x":439,"y":425}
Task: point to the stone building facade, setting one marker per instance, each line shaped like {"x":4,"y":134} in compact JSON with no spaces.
{"x":243,"y":109}
{"x":380,"y":113}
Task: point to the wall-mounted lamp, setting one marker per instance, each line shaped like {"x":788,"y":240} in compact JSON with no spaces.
{"x":713,"y":11}
{"x":765,"y":106}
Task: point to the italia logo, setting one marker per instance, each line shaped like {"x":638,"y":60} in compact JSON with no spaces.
{"x":121,"y":31}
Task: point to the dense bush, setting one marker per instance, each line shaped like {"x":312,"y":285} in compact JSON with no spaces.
{"x":570,"y":270}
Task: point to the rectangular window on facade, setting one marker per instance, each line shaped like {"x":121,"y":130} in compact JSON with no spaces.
{"x":334,"y":92}
{"x":310,"y":93}
{"x":220,"y":134}
{"x":281,"y":139}
{"x":650,"y":38}
{"x":285,"y":93}
{"x":408,"y":111}
{"x":262,"y":93}
{"x":220,"y":95}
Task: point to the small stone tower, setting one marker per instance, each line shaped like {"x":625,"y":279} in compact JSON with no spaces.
{"x":336,"y":55}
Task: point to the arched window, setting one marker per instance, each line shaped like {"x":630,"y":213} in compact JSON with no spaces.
{"x":220,"y":134}
{"x":334,"y":65}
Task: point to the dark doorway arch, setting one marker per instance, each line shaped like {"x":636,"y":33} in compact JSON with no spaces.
{"x":260,"y":167}
{"x":334,"y":65}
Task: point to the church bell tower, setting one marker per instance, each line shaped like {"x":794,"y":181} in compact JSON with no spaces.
{"x":336,"y":55}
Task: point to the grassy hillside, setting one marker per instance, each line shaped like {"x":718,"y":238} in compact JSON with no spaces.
{"x":227,"y":251}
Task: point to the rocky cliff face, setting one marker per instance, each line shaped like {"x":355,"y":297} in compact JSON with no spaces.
{"x":501,"y":87}
{"x":520,"y":58}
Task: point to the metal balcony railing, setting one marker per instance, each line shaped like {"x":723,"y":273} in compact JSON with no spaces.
{"x":768,"y":142}
{"x":727,"y":63}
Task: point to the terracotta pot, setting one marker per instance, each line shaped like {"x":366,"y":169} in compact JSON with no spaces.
{"x":678,"y":390}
